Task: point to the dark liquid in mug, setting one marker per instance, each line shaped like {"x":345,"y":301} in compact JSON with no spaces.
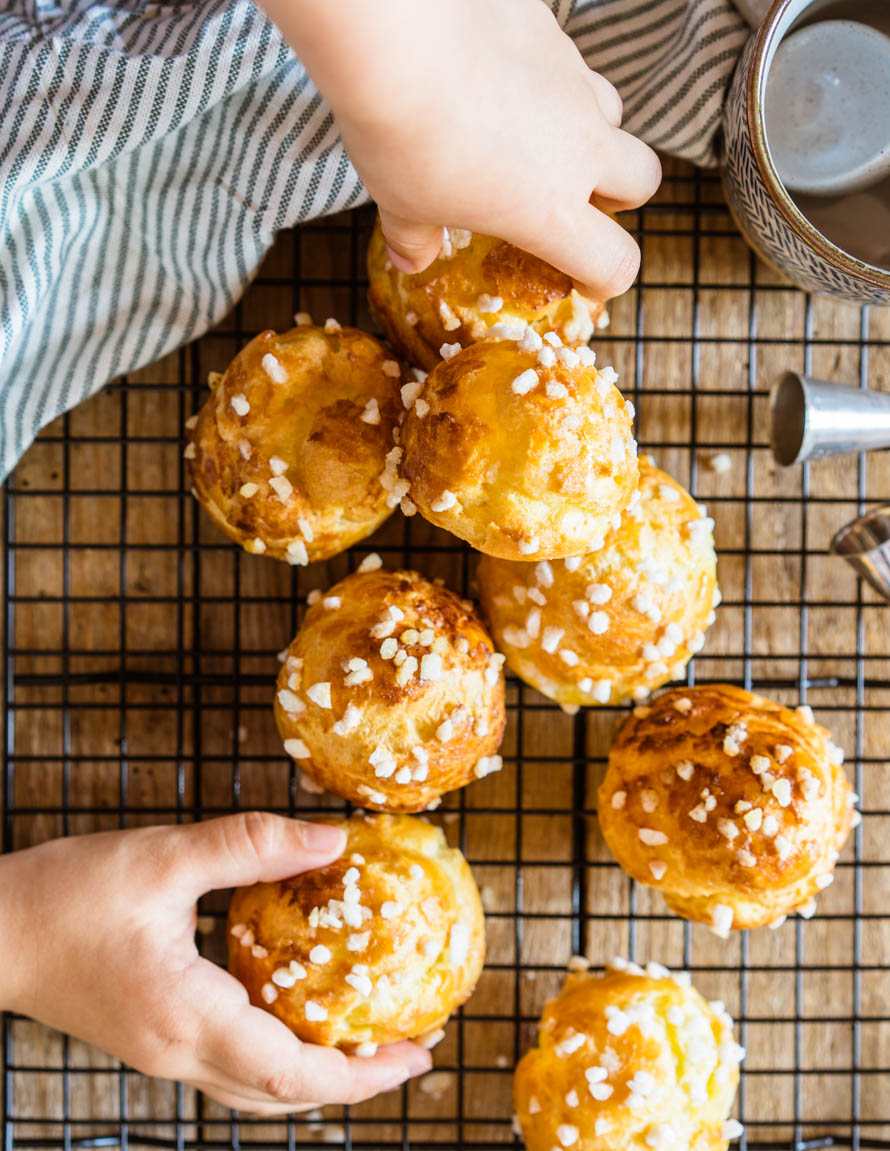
{"x":873,"y":12}
{"x":857,"y":222}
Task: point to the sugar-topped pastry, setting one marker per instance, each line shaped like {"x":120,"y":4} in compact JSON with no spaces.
{"x":734,"y":807}
{"x":381,"y":945}
{"x":392,"y":693}
{"x":521,"y":447}
{"x":619,"y":621}
{"x":289,"y":453}
{"x":478,"y":287}
{"x":632,"y":1060}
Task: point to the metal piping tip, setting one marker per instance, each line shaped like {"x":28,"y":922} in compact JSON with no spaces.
{"x":865,"y":545}
{"x":813,"y":418}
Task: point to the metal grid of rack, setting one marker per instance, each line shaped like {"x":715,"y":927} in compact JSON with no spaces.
{"x":140,"y":657}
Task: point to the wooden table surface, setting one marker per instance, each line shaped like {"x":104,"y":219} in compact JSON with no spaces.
{"x":143,"y":659}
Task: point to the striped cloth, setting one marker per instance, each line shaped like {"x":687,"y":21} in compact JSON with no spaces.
{"x":149,"y":153}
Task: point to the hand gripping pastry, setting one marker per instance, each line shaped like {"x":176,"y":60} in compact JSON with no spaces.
{"x":392,"y":693}
{"x":522,"y":448}
{"x":478,"y":287}
{"x":619,"y":621}
{"x":734,"y":807}
{"x":629,"y":1061}
{"x":288,"y":454}
{"x":381,"y":945}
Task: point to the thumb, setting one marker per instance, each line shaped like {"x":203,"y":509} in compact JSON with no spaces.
{"x":250,"y":847}
{"x":410,"y":245}
{"x":600,"y":256}
{"x":256,"y":1051}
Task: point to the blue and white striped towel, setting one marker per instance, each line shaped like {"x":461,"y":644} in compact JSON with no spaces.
{"x":150,"y":152}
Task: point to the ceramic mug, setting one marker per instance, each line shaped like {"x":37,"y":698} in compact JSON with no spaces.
{"x":766,"y":215}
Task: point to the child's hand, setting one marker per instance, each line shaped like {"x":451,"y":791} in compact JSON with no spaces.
{"x":98,"y":940}
{"x":480,"y":114}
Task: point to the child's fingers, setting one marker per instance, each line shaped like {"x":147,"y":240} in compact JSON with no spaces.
{"x":209,"y":1079}
{"x":607,"y":98}
{"x":253,"y":1048}
{"x":631,"y":171}
{"x":411,"y":246}
{"x":600,"y":256}
{"x":216,"y":1087}
{"x":249,"y":847}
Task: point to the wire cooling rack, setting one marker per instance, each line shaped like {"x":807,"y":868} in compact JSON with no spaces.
{"x":140,"y":657}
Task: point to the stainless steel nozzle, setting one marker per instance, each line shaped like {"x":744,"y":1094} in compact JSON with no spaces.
{"x":812,"y":418}
{"x":865,"y":545}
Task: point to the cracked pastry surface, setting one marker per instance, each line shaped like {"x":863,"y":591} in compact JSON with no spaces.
{"x":392,"y":693}
{"x":620,"y":621}
{"x":477,"y":284}
{"x":381,"y":945}
{"x":521,"y":447}
{"x":631,"y":1060}
{"x":734,"y":807}
{"x":288,"y":454}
